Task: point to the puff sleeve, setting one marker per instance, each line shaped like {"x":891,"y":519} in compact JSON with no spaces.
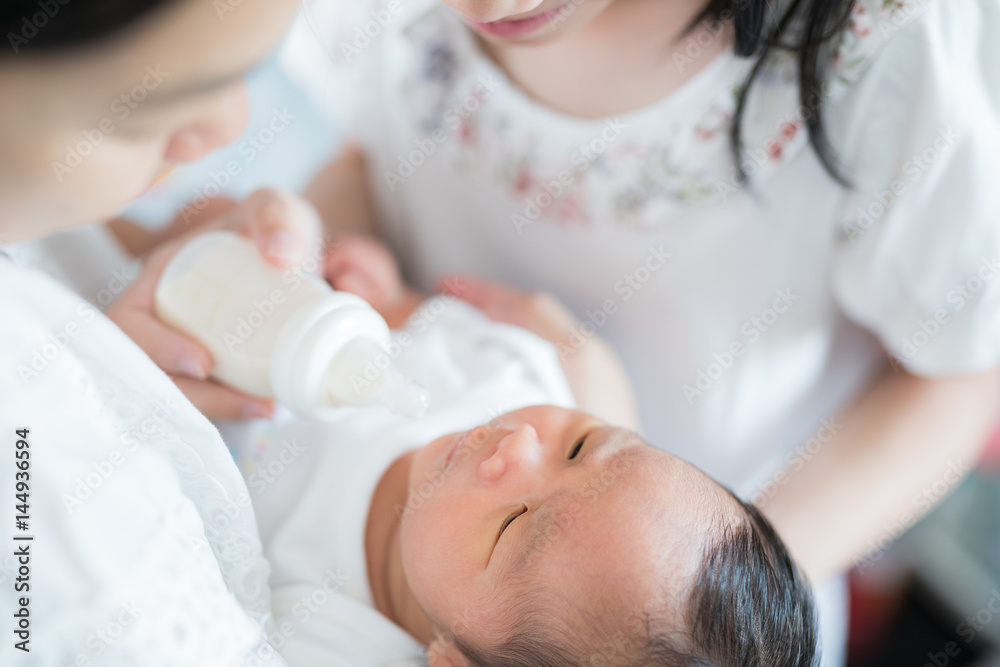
{"x":918,"y":259}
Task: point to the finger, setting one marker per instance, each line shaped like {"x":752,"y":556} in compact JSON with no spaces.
{"x":220,"y":402}
{"x":361,"y":254}
{"x":171,"y":350}
{"x":496,"y":301}
{"x":355,"y":282}
{"x":284,"y":226}
{"x":365,"y":267}
{"x":342,"y":258}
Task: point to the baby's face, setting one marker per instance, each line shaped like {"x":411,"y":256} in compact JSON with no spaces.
{"x":550,"y":499}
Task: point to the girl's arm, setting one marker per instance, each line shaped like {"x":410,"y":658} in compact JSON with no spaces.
{"x":879,"y":471}
{"x":341,"y":195}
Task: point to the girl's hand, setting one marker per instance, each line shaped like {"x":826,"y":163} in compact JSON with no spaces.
{"x":592,"y":369}
{"x":285,"y":228}
{"x":364,"y":266}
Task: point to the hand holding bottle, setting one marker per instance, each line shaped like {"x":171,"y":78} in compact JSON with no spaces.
{"x":285,"y":228}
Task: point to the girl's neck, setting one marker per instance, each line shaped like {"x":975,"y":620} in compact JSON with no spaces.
{"x":632,"y":54}
{"x":390,"y":592}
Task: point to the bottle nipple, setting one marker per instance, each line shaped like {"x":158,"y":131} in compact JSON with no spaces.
{"x":403,"y":397}
{"x":356,"y":377}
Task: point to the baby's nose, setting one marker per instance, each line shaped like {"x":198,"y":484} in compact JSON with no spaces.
{"x":518,"y":451}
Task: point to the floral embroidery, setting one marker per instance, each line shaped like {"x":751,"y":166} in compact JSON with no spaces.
{"x":656,"y":167}
{"x":867,"y":32}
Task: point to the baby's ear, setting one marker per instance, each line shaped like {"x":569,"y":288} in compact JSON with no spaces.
{"x":442,"y":653}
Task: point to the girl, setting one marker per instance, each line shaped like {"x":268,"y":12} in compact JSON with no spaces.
{"x":781,"y":215}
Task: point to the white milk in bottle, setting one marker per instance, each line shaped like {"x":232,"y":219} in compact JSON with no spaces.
{"x":281,"y":334}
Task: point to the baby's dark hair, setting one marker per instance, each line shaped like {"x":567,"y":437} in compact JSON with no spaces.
{"x":750,"y":606}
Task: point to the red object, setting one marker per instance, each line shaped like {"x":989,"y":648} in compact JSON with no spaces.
{"x":874,"y":604}
{"x":990,"y":458}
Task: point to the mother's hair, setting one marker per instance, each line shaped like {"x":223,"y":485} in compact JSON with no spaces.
{"x":47,"y":26}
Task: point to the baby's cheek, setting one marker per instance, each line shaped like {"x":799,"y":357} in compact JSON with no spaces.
{"x":424,"y":570}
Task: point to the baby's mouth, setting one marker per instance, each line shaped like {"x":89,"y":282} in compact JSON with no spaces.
{"x":454,"y":449}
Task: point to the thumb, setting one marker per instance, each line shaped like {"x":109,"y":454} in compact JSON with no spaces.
{"x":284,"y":226}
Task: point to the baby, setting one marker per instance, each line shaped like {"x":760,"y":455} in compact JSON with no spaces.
{"x":541,"y":536}
{"x":556,"y":539}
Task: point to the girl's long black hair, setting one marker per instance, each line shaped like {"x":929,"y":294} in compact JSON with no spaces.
{"x":807,"y":28}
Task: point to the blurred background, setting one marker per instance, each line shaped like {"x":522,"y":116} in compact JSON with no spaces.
{"x":931,"y":598}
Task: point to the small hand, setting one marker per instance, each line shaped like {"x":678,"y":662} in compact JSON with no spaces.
{"x":593,"y":370}
{"x":538,"y":312}
{"x":364,"y":266}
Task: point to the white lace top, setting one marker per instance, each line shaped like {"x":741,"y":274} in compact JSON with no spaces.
{"x":145,"y":548}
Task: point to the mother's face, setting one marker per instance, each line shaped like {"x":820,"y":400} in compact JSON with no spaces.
{"x":84,"y":132}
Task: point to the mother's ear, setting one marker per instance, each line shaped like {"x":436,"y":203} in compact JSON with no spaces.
{"x":443,"y":653}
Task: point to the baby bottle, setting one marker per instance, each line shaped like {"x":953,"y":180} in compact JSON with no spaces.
{"x":281,"y":334}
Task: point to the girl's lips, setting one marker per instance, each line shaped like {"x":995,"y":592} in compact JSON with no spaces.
{"x":514,"y":28}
